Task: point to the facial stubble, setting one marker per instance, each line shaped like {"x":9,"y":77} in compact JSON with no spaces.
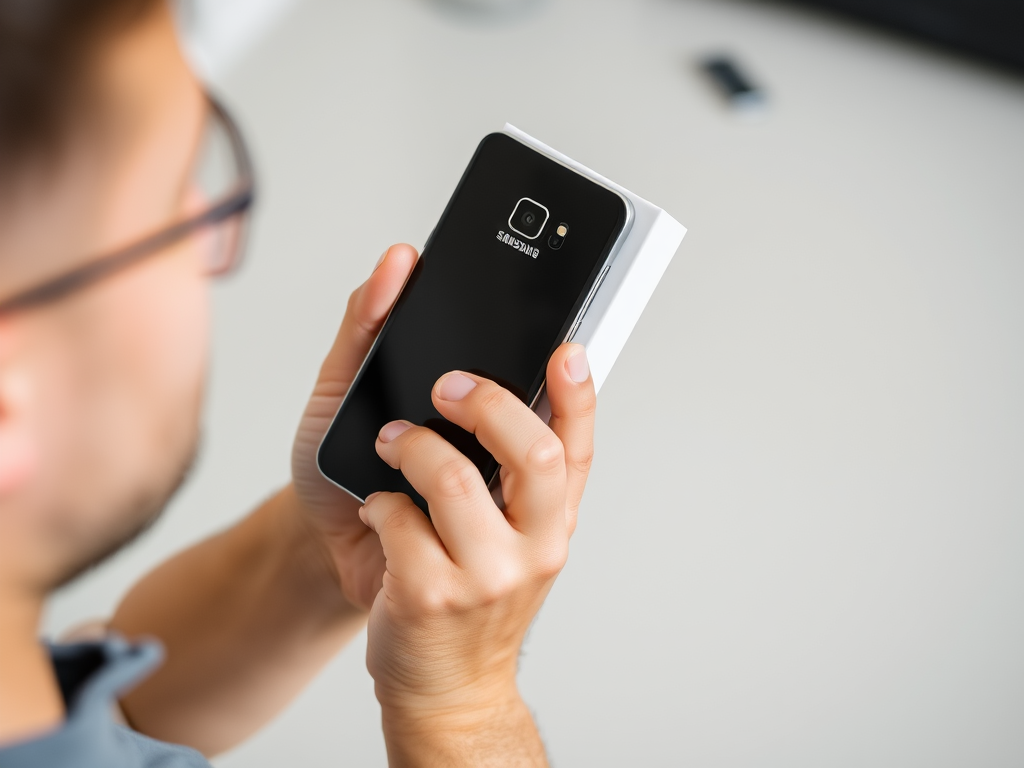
{"x":135,"y":515}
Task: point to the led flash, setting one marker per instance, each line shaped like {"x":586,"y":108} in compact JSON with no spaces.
{"x":562,"y":230}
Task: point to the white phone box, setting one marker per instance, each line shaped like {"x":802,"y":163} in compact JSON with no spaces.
{"x":635,"y":271}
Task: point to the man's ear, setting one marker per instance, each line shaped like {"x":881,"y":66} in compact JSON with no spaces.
{"x":18,"y":448}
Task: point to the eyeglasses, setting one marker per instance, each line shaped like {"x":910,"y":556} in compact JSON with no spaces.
{"x":223,"y":173}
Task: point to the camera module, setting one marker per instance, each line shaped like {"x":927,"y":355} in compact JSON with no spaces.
{"x":528,"y":218}
{"x":558,"y":237}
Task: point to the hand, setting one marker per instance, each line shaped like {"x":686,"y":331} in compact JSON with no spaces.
{"x":355,"y":552}
{"x":462,"y":588}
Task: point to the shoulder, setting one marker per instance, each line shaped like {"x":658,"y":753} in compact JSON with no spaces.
{"x":92,"y":675}
{"x":145,"y":752}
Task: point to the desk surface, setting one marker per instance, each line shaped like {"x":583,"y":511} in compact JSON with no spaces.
{"x":803,"y":541}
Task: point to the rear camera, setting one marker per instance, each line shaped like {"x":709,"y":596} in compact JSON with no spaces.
{"x":528,"y":218}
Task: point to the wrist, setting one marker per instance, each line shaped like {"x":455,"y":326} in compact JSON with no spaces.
{"x":467,"y":707}
{"x":478,"y":729}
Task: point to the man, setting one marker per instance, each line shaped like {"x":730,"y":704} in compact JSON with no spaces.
{"x":101,"y":368}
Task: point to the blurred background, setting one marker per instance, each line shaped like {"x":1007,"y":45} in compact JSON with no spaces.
{"x":803,"y":538}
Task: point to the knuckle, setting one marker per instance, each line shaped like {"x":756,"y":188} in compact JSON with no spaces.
{"x":362,"y":326}
{"x":431,"y":600}
{"x":586,"y":405}
{"x":396,"y":521}
{"x":457,"y":478}
{"x":414,"y":440}
{"x":353,"y":298}
{"x":492,"y":398}
{"x":395,"y":517}
{"x":498,"y":586}
{"x":436,"y":597}
{"x":546,"y":454}
{"x":582,"y":462}
{"x":551,"y":560}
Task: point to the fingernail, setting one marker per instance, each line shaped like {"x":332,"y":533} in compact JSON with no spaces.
{"x":455,"y":386}
{"x":381,"y":260}
{"x":371,"y":497}
{"x":576,"y":365}
{"x":393,"y":430}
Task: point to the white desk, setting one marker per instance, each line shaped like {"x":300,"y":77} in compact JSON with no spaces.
{"x":803,"y":542}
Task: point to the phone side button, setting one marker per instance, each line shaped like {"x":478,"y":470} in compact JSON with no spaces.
{"x":590,"y":298}
{"x":593,"y":292}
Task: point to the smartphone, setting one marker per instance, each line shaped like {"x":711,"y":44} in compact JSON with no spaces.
{"x":506,"y":276}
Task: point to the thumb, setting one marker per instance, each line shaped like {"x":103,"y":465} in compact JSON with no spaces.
{"x":368,"y":307}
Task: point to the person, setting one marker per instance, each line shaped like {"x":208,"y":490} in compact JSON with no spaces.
{"x":111,"y":221}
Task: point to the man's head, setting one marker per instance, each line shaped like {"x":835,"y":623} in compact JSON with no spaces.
{"x":99,"y":391}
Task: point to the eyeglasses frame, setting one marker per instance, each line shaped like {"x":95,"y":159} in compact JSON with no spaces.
{"x":236,"y":203}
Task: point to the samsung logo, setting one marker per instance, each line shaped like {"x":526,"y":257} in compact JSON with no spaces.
{"x":518,"y":244}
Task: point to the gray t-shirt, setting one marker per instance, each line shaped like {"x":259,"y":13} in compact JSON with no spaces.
{"x":91,"y":676}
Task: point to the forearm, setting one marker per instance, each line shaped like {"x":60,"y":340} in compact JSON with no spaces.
{"x":247,"y":618}
{"x":498,"y":735}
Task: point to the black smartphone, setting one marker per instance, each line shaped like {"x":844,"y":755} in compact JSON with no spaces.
{"x":505,"y":277}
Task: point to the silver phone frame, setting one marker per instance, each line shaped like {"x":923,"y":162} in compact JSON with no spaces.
{"x":494,"y":485}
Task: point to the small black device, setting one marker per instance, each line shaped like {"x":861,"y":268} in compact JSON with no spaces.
{"x":734,"y":85}
{"x":505,"y":278}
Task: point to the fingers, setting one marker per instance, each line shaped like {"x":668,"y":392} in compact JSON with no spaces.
{"x":544,"y":469}
{"x":368,"y":307}
{"x":461,"y":508}
{"x":411,"y":546}
{"x":533,"y":479}
{"x":570,"y":390}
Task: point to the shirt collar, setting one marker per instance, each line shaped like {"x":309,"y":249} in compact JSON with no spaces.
{"x":92,"y":676}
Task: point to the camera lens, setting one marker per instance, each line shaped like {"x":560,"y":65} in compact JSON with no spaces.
{"x":528,"y":218}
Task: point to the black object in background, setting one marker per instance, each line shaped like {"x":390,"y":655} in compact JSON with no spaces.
{"x":990,"y":29}
{"x":482,"y":299}
{"x":735,"y":85}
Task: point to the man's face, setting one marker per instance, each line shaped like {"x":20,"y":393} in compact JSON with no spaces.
{"x":100,"y":392}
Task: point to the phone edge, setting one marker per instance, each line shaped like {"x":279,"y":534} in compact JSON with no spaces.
{"x":627,"y":226}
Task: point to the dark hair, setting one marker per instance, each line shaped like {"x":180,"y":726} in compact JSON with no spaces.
{"x":46,"y":47}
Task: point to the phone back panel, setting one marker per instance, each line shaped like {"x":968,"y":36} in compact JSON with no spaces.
{"x":483,"y":299}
